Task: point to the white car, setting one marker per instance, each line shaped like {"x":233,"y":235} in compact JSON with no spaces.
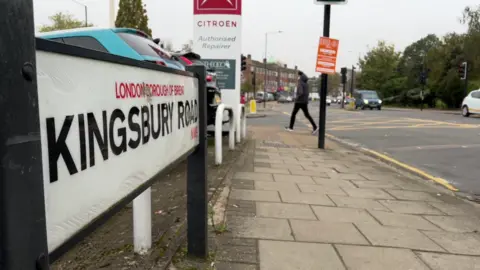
{"x":329,"y":101}
{"x":471,"y":103}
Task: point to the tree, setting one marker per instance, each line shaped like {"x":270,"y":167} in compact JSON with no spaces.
{"x":133,"y":14}
{"x":187,"y":47}
{"x":379,"y":70}
{"x":62,"y":21}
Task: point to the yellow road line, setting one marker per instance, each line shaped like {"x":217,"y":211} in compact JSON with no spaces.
{"x":407,"y":167}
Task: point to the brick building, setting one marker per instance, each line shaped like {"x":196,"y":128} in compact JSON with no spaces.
{"x":279,"y":78}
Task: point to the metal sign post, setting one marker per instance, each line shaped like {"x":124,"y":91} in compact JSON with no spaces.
{"x":23,"y":235}
{"x":324,"y":84}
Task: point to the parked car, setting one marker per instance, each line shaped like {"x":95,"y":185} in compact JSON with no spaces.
{"x":471,"y":103}
{"x":126,"y":42}
{"x":329,"y":101}
{"x":214,"y":95}
{"x":284,"y":97}
{"x":367,"y":99}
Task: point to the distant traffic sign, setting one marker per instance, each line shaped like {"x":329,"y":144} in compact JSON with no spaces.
{"x":330,"y":2}
{"x":327,"y":55}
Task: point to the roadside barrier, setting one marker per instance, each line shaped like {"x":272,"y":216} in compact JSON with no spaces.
{"x":219,"y":131}
{"x":96,"y":134}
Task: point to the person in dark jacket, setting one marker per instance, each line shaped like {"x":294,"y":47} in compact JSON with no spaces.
{"x":301,"y":102}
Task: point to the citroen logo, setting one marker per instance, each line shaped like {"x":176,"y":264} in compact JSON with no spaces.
{"x":229,"y":1}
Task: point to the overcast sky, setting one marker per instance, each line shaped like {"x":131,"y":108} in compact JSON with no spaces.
{"x":358,"y":25}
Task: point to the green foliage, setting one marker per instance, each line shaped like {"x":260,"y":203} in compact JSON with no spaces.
{"x":396,"y":76}
{"x":132,"y":14}
{"x":439,"y":104}
{"x":62,"y":21}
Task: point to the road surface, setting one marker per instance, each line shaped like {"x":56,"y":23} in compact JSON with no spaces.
{"x":444,"y":144}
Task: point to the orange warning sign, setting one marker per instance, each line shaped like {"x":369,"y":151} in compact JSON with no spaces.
{"x":327,"y":55}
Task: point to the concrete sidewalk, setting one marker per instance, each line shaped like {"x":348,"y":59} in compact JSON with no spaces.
{"x":296,"y":207}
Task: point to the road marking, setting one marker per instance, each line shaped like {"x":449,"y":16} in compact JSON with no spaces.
{"x":407,"y":167}
{"x":434,"y":147}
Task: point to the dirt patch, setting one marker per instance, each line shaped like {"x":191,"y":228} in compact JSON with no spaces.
{"x":111,"y":245}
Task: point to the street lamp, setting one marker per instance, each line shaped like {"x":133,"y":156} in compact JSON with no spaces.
{"x":85,"y":6}
{"x":265,"y":82}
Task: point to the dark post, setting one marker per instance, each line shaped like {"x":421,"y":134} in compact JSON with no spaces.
{"x":465,"y":91}
{"x":324,"y":84}
{"x":351,"y":81}
{"x":344,"y":82}
{"x":197,"y":208}
{"x":23,"y":234}
{"x":254,"y":84}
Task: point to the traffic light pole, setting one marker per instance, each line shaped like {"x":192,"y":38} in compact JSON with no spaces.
{"x":465,"y":91}
{"x":324,"y":84}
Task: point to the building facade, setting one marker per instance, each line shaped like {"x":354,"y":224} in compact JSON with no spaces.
{"x":278,"y":78}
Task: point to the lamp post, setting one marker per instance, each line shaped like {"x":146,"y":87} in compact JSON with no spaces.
{"x":86,"y":13}
{"x":111,"y":8}
{"x":265,"y":82}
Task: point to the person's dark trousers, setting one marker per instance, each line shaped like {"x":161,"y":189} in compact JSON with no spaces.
{"x":304,"y":108}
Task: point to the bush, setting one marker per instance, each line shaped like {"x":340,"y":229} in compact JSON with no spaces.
{"x":439,"y":104}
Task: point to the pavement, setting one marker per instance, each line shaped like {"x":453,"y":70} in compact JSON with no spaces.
{"x":293,"y":206}
{"x":443,"y":145}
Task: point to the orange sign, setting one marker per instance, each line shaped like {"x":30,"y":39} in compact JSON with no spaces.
{"x":327,"y":55}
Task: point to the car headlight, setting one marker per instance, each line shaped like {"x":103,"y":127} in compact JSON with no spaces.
{"x":217,"y":100}
{"x":365,"y":101}
{"x":379,"y":101}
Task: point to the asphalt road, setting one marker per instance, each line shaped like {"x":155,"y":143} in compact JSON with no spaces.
{"x":445,"y":145}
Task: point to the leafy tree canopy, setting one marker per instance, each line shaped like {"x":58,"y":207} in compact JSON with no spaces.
{"x":62,"y":21}
{"x":133,"y":14}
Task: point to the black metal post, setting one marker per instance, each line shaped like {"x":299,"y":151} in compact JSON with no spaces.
{"x":23,"y":234}
{"x":197,"y":208}
{"x":343,"y":94}
{"x":254,"y":84}
{"x":465,"y":91}
{"x":324,"y":84}
{"x":351,"y":81}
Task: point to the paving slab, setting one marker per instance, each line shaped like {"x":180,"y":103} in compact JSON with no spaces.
{"x":232,"y":253}
{"x":368,"y":204}
{"x":397,"y":237}
{"x":410,"y":207}
{"x":285,"y":210}
{"x":235,"y":266}
{"x":367,"y":193}
{"x":345,"y":176}
{"x":276,"y":186}
{"x":316,"y":168}
{"x":456,"y":223}
{"x":277,"y":255}
{"x":453,"y":210}
{"x":261,"y":228}
{"x":373,"y":184}
{"x":305,"y":198}
{"x":268,"y":160}
{"x":413,"y":195}
{"x":326,"y":232}
{"x":340,"y":214}
{"x":404,"y":220}
{"x":307,"y":188}
{"x":293,"y":178}
{"x":438,"y":261}
{"x":270,"y":170}
{"x":253,"y":176}
{"x":254,"y":195}
{"x":459,"y":243}
{"x":287,"y":166}
{"x":377,"y":258}
{"x":308,"y":173}
{"x":380,"y":176}
{"x":333,"y":182}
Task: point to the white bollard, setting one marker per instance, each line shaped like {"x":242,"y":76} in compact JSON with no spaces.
{"x":243,"y":115}
{"x":231,"y":131}
{"x":142,"y":222}
{"x":218,"y":133}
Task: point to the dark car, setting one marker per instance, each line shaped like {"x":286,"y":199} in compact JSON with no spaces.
{"x":367,"y":99}
{"x":214,"y":96}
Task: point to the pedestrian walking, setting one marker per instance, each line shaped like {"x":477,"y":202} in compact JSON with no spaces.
{"x":301,"y":103}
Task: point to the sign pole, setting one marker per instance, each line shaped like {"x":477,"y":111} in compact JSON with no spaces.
{"x":23,"y":234}
{"x":324,"y":84}
{"x":197,"y":208}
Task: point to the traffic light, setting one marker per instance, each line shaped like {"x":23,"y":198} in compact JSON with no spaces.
{"x":343,"y":71}
{"x":462,"y":71}
{"x":244,"y":62}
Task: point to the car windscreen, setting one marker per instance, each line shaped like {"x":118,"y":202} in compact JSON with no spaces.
{"x":370,"y":95}
{"x":141,"y":45}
